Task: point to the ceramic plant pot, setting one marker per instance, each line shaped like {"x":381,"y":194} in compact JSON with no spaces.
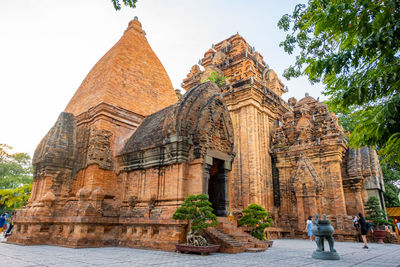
{"x":202,"y":250}
{"x":380,"y":235}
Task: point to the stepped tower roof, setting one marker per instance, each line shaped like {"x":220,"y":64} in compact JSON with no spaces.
{"x":129,"y":76}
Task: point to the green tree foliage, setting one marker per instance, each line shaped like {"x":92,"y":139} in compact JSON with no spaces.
{"x":257,"y":218}
{"x":15,"y":178}
{"x":198,"y":211}
{"x":15,"y":168}
{"x":391,"y":177}
{"x":15,"y":198}
{"x":353,"y":48}
{"x":129,"y":3}
{"x":217,"y":78}
{"x":375,"y":214}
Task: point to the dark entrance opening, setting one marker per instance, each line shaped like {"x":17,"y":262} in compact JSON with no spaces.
{"x":217,"y":191}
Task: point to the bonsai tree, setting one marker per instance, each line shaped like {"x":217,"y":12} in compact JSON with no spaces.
{"x":257,"y":218}
{"x":198,"y":211}
{"x":375,"y":214}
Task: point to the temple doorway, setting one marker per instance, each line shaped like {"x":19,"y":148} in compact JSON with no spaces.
{"x":217,"y":191}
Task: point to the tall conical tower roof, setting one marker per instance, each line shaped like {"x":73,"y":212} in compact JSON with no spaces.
{"x":129,"y":76}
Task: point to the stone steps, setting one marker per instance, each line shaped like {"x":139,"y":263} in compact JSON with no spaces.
{"x":228,"y":244}
{"x":228,"y":227}
{"x":233,"y":239}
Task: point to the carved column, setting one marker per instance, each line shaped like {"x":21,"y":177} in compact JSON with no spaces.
{"x":353,"y":193}
{"x":300,"y":211}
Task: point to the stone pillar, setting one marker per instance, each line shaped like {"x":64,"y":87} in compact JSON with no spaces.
{"x":359,"y":203}
{"x":300,"y":211}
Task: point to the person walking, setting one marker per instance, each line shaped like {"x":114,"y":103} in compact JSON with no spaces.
{"x":308,"y":228}
{"x":364,"y":229}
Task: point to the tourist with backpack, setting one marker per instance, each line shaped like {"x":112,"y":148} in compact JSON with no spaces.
{"x":365,"y":227}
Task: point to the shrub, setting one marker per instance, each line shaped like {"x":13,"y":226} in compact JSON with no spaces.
{"x":375,"y":214}
{"x":257,"y":218}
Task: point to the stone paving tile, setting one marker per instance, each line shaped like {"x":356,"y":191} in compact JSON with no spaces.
{"x":283,"y":253}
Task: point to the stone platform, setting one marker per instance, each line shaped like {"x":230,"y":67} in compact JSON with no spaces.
{"x":284,"y":252}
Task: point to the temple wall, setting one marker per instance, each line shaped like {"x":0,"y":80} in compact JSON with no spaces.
{"x":166,"y":187}
{"x":304,"y":193}
{"x":301,"y":198}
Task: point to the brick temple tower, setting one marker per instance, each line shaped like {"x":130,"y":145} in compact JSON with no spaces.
{"x":253,"y":96}
{"x":76,"y":195}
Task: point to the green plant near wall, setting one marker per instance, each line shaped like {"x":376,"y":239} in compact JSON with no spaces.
{"x":219,"y":79}
{"x":375,"y":214}
{"x":257,"y":218}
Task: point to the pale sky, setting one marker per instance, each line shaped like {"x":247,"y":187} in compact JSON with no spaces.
{"x":47,"y":48}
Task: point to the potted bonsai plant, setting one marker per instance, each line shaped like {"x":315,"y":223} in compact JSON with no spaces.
{"x":198,"y":212}
{"x":257,"y":219}
{"x":377,"y":217}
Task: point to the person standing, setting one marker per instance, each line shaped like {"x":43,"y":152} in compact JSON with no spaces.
{"x":2,"y":222}
{"x":398,"y":225}
{"x":5,"y":223}
{"x":10,"y":227}
{"x":396,"y":228}
{"x":364,"y":229}
{"x":308,"y":228}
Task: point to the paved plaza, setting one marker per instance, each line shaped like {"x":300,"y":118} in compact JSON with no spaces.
{"x":285,"y":252}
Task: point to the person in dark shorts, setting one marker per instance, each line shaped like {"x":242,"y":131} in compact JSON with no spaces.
{"x":364,"y":229}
